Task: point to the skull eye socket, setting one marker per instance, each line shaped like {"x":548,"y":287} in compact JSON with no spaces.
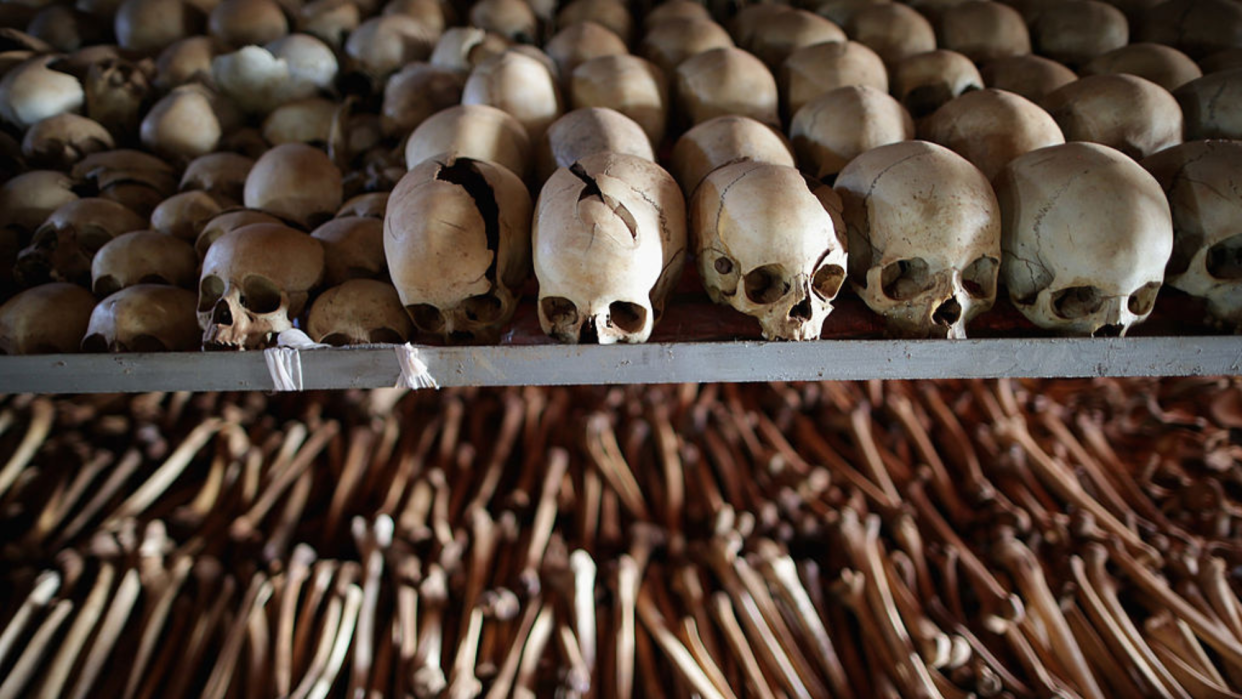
{"x":1185,"y":245}
{"x":630,"y":317}
{"x":905,"y":279}
{"x":979,"y":278}
{"x":260,"y":295}
{"x":386,"y":336}
{"x":766,"y":284}
{"x":1077,"y":302}
{"x":484,"y":308}
{"x":1224,"y":259}
{"x":827,"y":281}
{"x":559,"y":310}
{"x":210,"y":289}
{"x":1142,"y":301}
{"x":427,"y":317}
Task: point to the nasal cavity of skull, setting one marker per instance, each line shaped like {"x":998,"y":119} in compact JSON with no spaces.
{"x":979,"y":277}
{"x":426,"y":317}
{"x":1224,"y":259}
{"x":947,"y":313}
{"x":767,"y":284}
{"x":1077,"y":302}
{"x":827,"y":281}
{"x":260,"y":295}
{"x":464,"y":173}
{"x":904,"y":279}
{"x":484,"y":308}
{"x":629,"y":317}
{"x":1142,"y":301}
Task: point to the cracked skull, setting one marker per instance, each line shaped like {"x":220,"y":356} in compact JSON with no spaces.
{"x":144,"y":318}
{"x":770,"y":244}
{"x":609,"y":243}
{"x":1086,"y":236}
{"x":255,"y":281}
{"x":1202,"y":182}
{"x":924,"y":236}
{"x":457,"y":240}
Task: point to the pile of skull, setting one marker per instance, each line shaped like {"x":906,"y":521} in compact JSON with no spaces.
{"x":180,"y":174}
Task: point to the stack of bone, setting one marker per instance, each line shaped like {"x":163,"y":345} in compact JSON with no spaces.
{"x":212,"y":173}
{"x":955,"y":539}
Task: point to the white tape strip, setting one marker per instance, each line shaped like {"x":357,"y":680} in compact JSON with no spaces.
{"x":285,"y":366}
{"x":414,"y":373}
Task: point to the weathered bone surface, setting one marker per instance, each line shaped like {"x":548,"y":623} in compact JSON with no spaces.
{"x":475,"y":131}
{"x":631,"y":85}
{"x":33,"y":91}
{"x":836,"y":127}
{"x":1163,"y":65}
{"x":63,"y":247}
{"x":143,"y":257}
{"x":296,"y":182}
{"x":182,"y":125}
{"x":668,"y":43}
{"x":925,"y":81}
{"x":1030,"y":76}
{"x":225,"y":222}
{"x":726,"y":81}
{"x":983,"y":31}
{"x":609,"y":242}
{"x":359,"y":312}
{"x":462,"y":48}
{"x":720,"y":141}
{"x":353,"y":249}
{"x":60,"y":141}
{"x":990,"y":128}
{"x":255,"y":280}
{"x":1212,"y":105}
{"x":1076,"y":31}
{"x":588,"y":131}
{"x":519,"y":85}
{"x":813,"y":70}
{"x":613,"y":15}
{"x":1125,"y":112}
{"x":774,"y":37}
{"x":144,"y":318}
{"x":771,"y":244}
{"x":46,"y":319}
{"x":1202,"y":182}
{"x":185,"y":215}
{"x":924,"y":237}
{"x":1087,"y":234}
{"x":892,"y":30}
{"x":457,"y":240}
{"x":580,"y":42}
{"x":29,"y":198}
{"x":223,"y":175}
{"x":415,"y":93}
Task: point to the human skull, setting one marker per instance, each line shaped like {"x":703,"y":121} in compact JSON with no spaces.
{"x":359,"y":312}
{"x":222,"y":175}
{"x":456,"y":236}
{"x":144,"y":318}
{"x":983,"y":31}
{"x":1086,"y":236}
{"x":1212,"y":105}
{"x":813,"y":70}
{"x":225,"y":222}
{"x":139,"y":181}
{"x":296,"y":182}
{"x":609,"y":242}
{"x":587,"y":131}
{"x":46,"y":319}
{"x":518,"y":84}
{"x":60,"y":141}
{"x":770,"y":243}
{"x":1030,"y":76}
{"x":1126,"y":112}
{"x":926,"y":81}
{"x":1202,"y":182}
{"x":726,"y":81}
{"x":924,"y":237}
{"x":990,"y":128}
{"x":255,"y":281}
{"x":353,"y":248}
{"x":631,"y":85}
{"x":143,"y":257}
{"x":475,"y":131}
{"x":841,"y":124}
{"x":1163,"y":65}
{"x":62,"y":248}
{"x":720,"y":141}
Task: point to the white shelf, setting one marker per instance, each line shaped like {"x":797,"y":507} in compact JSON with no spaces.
{"x":548,"y":364}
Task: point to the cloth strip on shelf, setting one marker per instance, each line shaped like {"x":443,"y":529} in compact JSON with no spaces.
{"x":285,"y":366}
{"x":414,"y":373}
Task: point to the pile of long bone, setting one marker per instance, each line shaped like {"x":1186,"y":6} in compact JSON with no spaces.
{"x":508,"y":142}
{"x":1041,"y":539}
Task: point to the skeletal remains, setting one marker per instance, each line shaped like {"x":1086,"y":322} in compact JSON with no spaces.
{"x":210,"y":116}
{"x":928,"y":539}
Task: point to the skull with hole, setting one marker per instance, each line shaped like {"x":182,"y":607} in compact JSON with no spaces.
{"x":924,"y":236}
{"x":143,"y":257}
{"x":62,"y":248}
{"x":770,"y":243}
{"x":359,"y":312}
{"x":1203,"y":182}
{"x":255,"y":281}
{"x":609,"y":243}
{"x":144,"y":318}
{"x":457,"y":240}
{"x":1086,"y":236}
